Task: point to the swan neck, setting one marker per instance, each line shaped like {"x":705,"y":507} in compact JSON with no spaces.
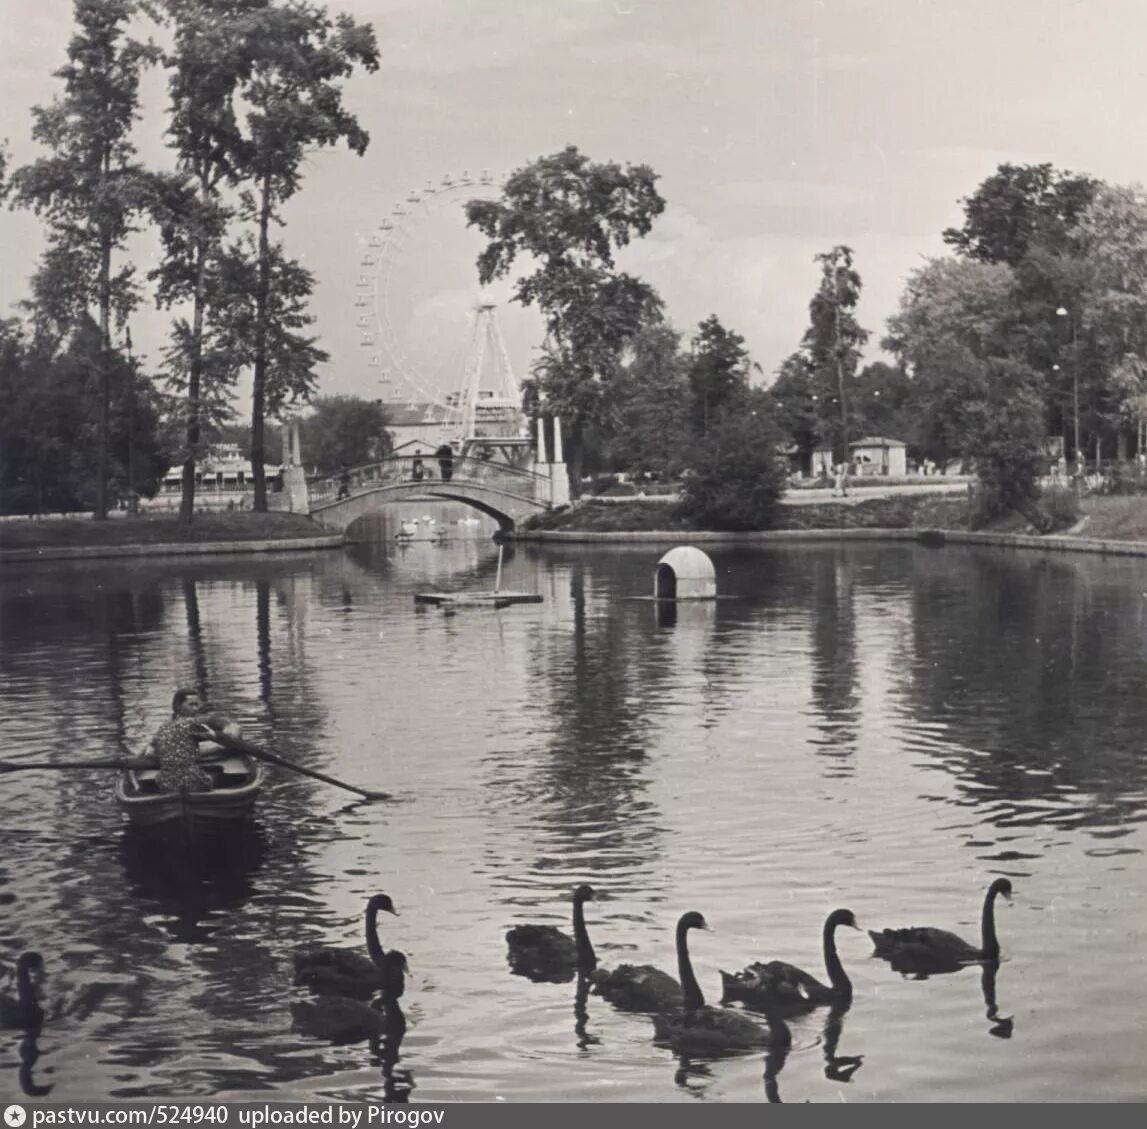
{"x":837,"y":977}
{"x":586,"y":957}
{"x":373,"y":945}
{"x":989,"y":944}
{"x":25,"y":991}
{"x":689,"y":986}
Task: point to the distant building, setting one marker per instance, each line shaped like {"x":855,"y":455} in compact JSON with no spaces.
{"x":223,"y":477}
{"x":430,"y":424}
{"x":876,"y":456}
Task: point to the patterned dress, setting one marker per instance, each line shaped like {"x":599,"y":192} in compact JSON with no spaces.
{"x":177,"y":750}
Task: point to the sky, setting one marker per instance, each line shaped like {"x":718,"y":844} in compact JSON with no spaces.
{"x":778,"y":129}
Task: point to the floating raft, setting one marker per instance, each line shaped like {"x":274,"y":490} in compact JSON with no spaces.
{"x":477,"y":599}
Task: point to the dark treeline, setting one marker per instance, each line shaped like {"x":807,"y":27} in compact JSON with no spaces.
{"x":254,"y":87}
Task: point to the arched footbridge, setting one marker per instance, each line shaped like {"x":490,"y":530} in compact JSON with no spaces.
{"x":507,"y":493}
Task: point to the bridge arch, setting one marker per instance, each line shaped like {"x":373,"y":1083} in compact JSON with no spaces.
{"x":505,"y":507}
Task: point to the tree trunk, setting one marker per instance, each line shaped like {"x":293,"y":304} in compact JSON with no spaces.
{"x":194,"y":383}
{"x":104,"y":381}
{"x":259,"y":381}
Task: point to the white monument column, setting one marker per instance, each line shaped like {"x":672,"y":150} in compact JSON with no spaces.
{"x":559,"y":476}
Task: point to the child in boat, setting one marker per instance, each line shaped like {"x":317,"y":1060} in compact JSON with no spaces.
{"x":176,"y":742}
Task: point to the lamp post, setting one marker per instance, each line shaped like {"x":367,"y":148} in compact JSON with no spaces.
{"x":1061,"y":312}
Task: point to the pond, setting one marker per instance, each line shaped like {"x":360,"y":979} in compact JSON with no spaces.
{"x":885,"y":728}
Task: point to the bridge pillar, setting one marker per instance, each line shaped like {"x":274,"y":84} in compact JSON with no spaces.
{"x":294,"y":474}
{"x":553,"y":469}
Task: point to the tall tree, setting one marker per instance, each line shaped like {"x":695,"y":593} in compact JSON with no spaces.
{"x":833,"y":342}
{"x":955,"y":315}
{"x":294,"y":105}
{"x":648,"y":423}
{"x":344,"y":431}
{"x":289,"y":356}
{"x":90,"y":188}
{"x":1018,"y":208}
{"x":570,"y":216}
{"x":718,"y":372}
{"x":1112,"y":236}
{"x":214,"y":45}
{"x":792,"y":404}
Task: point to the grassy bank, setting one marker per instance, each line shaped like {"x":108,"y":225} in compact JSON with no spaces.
{"x":1116,"y":518}
{"x":931,"y":511}
{"x":159,"y":529}
{"x":1107,"y":518}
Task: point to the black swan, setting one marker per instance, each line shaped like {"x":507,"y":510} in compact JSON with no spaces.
{"x":344,"y":972}
{"x":638,"y":987}
{"x":544,"y":953}
{"x":24,"y":1011}
{"x":697,"y":1028}
{"x":777,"y":984}
{"x":338,"y":1019}
{"x":922,"y":949}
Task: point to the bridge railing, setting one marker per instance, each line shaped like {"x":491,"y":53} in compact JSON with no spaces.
{"x":430,"y":471}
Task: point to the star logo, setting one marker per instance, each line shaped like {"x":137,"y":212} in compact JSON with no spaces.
{"x":14,"y":1116}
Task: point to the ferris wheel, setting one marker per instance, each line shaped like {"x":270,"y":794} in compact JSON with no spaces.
{"x":450,"y":375}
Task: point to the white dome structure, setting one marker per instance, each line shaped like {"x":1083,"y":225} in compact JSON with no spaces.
{"x":685,"y":573}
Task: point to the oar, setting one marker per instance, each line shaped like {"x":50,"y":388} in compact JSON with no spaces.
{"x":12,"y":766}
{"x":259,"y":753}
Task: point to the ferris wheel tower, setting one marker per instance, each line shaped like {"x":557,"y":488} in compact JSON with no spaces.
{"x":483,"y":413}
{"x":489,"y":396}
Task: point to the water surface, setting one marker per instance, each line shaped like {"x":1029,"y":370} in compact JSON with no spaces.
{"x":884,"y":728}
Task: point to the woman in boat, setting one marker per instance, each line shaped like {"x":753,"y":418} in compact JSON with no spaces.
{"x":176,"y":742}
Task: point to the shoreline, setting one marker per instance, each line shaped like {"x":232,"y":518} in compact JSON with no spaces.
{"x":934,"y":538}
{"x":170,"y":548}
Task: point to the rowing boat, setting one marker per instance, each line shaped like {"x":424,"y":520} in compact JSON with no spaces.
{"x":236,"y":780}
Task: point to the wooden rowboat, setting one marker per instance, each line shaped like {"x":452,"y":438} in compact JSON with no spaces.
{"x":236,"y":782}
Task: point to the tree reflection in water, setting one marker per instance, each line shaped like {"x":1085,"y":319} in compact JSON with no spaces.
{"x":597,"y":694}
{"x":1046,"y":650}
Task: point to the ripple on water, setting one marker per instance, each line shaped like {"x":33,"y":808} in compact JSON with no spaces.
{"x":883,"y":729}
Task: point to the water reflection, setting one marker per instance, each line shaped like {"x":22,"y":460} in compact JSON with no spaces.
{"x":836,"y":668}
{"x":29,"y":1054}
{"x":192,"y":885}
{"x":581,"y":1013}
{"x":986,"y":711}
{"x":1001,"y":1027}
{"x":1030,"y":669}
{"x":837,"y":1067}
{"x":397,"y":1082}
{"x":585,"y":795}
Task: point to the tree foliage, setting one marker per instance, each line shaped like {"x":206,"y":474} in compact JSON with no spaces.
{"x":344,"y":431}
{"x":569,"y":216}
{"x":1112,"y":236}
{"x":647,"y":411}
{"x":89,"y":189}
{"x":833,"y":343}
{"x":718,"y":372}
{"x":1019,"y":208}
{"x":294,"y":105}
{"x":50,"y":422}
{"x":736,"y":478}
{"x":214,"y":46}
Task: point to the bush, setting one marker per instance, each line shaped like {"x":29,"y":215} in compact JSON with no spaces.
{"x":1061,"y":507}
{"x":736,"y":480}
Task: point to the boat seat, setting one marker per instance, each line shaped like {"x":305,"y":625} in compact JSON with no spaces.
{"x":226,"y":771}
